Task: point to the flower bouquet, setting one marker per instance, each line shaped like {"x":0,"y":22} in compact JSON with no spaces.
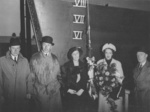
{"x":90,"y":85}
{"x":106,"y":82}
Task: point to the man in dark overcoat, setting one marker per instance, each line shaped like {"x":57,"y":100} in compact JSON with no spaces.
{"x":142,"y":81}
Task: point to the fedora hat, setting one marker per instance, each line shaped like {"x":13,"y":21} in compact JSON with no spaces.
{"x":14,"y":41}
{"x":143,"y":49}
{"x":47,"y":39}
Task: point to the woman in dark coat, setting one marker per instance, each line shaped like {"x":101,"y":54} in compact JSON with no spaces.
{"x":74,"y":74}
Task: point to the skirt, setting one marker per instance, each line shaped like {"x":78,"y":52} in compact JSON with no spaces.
{"x":104,"y":106}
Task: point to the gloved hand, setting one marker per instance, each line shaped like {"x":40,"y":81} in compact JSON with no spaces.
{"x":71,"y":91}
{"x":79,"y":93}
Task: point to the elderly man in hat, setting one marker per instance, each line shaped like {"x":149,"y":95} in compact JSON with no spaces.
{"x":142,"y":81}
{"x":45,"y":70}
{"x":14,"y":74}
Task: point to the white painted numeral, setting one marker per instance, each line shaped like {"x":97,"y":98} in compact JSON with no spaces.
{"x":80,"y":3}
{"x":79,"y":19}
{"x":77,"y":35}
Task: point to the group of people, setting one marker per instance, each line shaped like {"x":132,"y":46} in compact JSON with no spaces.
{"x":30,"y":86}
{"x":42,"y":85}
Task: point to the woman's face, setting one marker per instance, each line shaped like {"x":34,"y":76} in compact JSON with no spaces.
{"x":108,"y":54}
{"x":75,"y":55}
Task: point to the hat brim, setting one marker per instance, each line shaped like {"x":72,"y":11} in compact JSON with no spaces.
{"x":14,"y":42}
{"x":47,"y":42}
{"x":143,"y":49}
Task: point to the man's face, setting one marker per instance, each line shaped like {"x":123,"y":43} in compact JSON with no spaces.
{"x":108,"y":54}
{"x":15,"y":50}
{"x":46,"y":47}
{"x":141,"y":57}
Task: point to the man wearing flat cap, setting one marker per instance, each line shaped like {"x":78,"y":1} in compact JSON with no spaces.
{"x":14,"y":75}
{"x":142,"y":81}
{"x":45,"y":71}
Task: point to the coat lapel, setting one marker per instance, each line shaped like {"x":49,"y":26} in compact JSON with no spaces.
{"x":140,"y":73}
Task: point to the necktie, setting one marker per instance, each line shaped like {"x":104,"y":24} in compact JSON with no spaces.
{"x":46,"y":54}
{"x":140,"y":67}
{"x":15,"y":59}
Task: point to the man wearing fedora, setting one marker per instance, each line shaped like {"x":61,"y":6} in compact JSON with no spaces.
{"x":45,"y":71}
{"x":142,"y":81}
{"x":14,"y":75}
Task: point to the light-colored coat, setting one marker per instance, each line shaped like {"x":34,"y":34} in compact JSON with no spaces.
{"x":103,"y":105}
{"x":45,"y":71}
{"x":13,"y":82}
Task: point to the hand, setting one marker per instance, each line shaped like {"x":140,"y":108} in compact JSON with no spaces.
{"x":79,"y":93}
{"x":71,"y":91}
{"x":28,"y":96}
{"x":119,"y":79}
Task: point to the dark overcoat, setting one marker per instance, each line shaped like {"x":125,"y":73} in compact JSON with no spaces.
{"x":69,"y":75}
{"x":142,"y":87}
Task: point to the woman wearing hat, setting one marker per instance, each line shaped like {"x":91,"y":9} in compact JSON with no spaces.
{"x":74,"y":75}
{"x":104,"y":104}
